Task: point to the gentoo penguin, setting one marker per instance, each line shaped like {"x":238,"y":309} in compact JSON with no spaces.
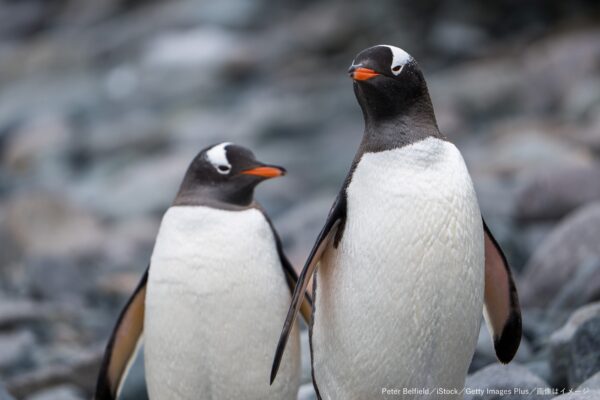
{"x":211,"y":302}
{"x":405,"y":259}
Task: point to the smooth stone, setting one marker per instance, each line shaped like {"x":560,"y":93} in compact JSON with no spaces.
{"x":16,"y":349}
{"x":16,"y":312}
{"x":574,"y":242}
{"x":580,"y":395}
{"x":507,"y":378}
{"x":4,"y":395}
{"x":583,"y":287}
{"x":307,"y":392}
{"x":62,"y":392}
{"x":551,"y":194}
{"x":585,"y":352}
{"x":306,"y":375}
{"x":201,"y":48}
{"x":560,"y":343}
{"x":46,"y":224}
{"x":81,"y":372}
{"x":593,"y":382}
{"x":36,"y":147}
{"x":132,"y":191}
{"x":541,"y":368}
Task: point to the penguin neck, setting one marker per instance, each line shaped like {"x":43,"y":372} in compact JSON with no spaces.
{"x":227,"y":198}
{"x":398,"y":124}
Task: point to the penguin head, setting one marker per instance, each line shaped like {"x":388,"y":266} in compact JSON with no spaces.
{"x":224,"y":173}
{"x":387,"y":81}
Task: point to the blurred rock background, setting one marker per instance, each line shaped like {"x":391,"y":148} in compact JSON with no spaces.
{"x":104,"y":103}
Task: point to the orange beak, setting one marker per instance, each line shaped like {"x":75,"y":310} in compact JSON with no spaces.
{"x":265,"y":171}
{"x":363,"y":74}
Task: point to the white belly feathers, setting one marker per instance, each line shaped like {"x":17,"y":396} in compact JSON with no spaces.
{"x":399,"y":302}
{"x":216,"y":300}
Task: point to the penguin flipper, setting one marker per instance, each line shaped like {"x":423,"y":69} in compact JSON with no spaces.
{"x":291,"y":277}
{"x":123,"y":344}
{"x":502,"y":311}
{"x":333,"y":225}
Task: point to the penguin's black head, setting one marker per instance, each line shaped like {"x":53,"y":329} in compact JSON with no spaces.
{"x":224,"y":173}
{"x":387,"y":82}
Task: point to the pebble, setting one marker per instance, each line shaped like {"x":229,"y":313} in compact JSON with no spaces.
{"x":580,"y":395}
{"x":4,"y":394}
{"x":307,"y":392}
{"x":592,"y":382}
{"x":553,"y":193}
{"x":585,"y":352}
{"x":46,"y":224}
{"x":564,"y":254}
{"x":560,"y":343}
{"x":63,"y":392}
{"x":15,"y":312}
{"x":510,"y":382}
{"x":16,"y":350}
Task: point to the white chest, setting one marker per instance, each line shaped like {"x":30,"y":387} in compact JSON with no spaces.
{"x":215,"y":301}
{"x":407,"y":276}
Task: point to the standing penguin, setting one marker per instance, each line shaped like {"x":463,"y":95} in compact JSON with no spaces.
{"x":405,"y":260}
{"x":212,"y":299}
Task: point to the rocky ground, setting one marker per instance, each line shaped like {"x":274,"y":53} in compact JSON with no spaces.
{"x":103,"y":104}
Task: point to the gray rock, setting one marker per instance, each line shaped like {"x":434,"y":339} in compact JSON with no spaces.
{"x":592,"y":382}
{"x":573,"y":243}
{"x":36,"y":147}
{"x":507,"y":378}
{"x":300,"y":225}
{"x":16,"y":351}
{"x":580,"y":289}
{"x":590,"y":135}
{"x":306,"y":392}
{"x":539,"y":324}
{"x":18,"y":312}
{"x":585,"y":352}
{"x":306,"y":377}
{"x":80,"y":372}
{"x":541,"y":367}
{"x":522,"y":150}
{"x":63,"y":392}
{"x":132,"y":191}
{"x":551,"y":194}
{"x":4,"y":394}
{"x":46,"y":224}
{"x":580,"y":395}
{"x":58,"y":278}
{"x":560,"y":343}
{"x":201,"y":48}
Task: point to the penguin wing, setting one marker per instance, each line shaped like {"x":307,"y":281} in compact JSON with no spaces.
{"x":291,"y":276}
{"x":335,"y":219}
{"x":502,"y":311}
{"x":123,"y":344}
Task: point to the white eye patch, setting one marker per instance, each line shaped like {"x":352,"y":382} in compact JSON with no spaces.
{"x":217,"y":156}
{"x":399,"y":59}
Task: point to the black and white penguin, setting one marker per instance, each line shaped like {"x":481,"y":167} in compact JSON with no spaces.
{"x":406,"y":263}
{"x":211,"y":302}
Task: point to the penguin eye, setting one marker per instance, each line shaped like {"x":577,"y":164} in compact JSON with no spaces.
{"x":223,"y":169}
{"x":397,"y":68}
